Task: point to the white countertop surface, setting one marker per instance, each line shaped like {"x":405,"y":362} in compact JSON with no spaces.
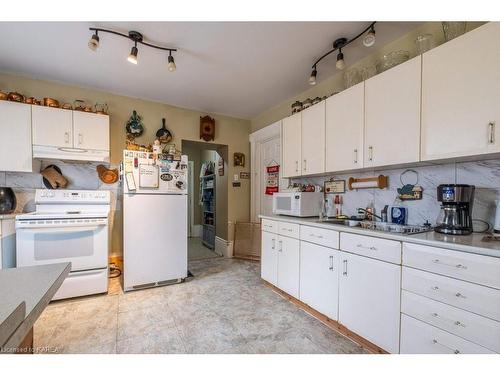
{"x":471,"y":243}
{"x":9,"y":216}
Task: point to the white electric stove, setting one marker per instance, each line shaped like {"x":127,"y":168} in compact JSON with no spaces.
{"x":68,"y":226}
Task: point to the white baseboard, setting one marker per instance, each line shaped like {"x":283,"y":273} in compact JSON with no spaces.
{"x":196,"y":230}
{"x":223,"y":247}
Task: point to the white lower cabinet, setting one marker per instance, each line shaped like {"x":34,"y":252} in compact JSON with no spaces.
{"x":369,"y":299}
{"x":420,"y":338}
{"x":269,"y":258}
{"x":288,"y":265}
{"x":319,"y":278}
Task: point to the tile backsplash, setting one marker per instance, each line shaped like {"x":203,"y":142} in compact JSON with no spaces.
{"x":485,"y":175}
{"x":80,"y":176}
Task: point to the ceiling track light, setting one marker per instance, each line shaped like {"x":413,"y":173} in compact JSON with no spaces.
{"x":338,"y":44}
{"x":137,"y":38}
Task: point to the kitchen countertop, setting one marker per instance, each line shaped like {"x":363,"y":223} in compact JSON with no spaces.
{"x":471,"y":243}
{"x":34,"y":286}
{"x":8,"y":216}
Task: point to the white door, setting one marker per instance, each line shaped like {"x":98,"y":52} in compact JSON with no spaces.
{"x":313,"y":139}
{"x":392,"y":115}
{"x":52,"y":126}
{"x":288,"y":265}
{"x":90,"y":131}
{"x":269,"y":258}
{"x":460,"y":96}
{"x":319,"y":278}
{"x":15,"y":139}
{"x":369,"y":299}
{"x":344,"y":129}
{"x":154,"y":238}
{"x":291,"y":145}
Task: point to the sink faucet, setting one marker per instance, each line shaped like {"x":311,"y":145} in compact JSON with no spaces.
{"x":369,"y":214}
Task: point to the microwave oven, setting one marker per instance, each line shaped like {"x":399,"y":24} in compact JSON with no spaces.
{"x":300,"y":204}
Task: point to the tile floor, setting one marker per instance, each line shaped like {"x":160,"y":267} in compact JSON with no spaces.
{"x":197,"y":251}
{"x":225,"y":308}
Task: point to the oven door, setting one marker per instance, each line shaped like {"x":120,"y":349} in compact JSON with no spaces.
{"x":85,"y":246}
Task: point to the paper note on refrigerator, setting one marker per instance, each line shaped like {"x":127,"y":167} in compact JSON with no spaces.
{"x":148,"y":176}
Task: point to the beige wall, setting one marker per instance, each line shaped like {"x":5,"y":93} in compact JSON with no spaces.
{"x":335,"y":82}
{"x":183,"y":123}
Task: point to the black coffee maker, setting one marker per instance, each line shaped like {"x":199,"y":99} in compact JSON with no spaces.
{"x":455,"y":216}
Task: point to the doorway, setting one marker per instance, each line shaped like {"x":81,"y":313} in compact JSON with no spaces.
{"x":207,"y":198}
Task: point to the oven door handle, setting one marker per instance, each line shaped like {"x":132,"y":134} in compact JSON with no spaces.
{"x":63,"y":229}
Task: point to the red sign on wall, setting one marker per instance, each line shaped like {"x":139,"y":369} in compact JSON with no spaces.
{"x":272,"y":181}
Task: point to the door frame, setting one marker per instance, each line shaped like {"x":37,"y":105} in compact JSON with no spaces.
{"x":190,"y":197}
{"x":256,"y":138}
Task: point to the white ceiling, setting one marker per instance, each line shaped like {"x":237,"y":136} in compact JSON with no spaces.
{"x":238,"y":68}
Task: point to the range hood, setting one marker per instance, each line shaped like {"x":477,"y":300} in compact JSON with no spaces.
{"x":70,"y":153}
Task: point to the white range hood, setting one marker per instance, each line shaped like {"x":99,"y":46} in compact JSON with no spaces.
{"x":70,"y":153}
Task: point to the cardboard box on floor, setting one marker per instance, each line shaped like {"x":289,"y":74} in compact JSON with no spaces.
{"x":247,"y":241}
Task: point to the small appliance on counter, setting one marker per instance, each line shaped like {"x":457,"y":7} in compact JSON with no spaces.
{"x":300,"y":204}
{"x":496,"y":226}
{"x":455,"y":216}
{"x":8,"y":201}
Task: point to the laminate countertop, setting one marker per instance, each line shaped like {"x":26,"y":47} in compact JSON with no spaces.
{"x":7,"y":216}
{"x":24,"y":293}
{"x":470,"y":243}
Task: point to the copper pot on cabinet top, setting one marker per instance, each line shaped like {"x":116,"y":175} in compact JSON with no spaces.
{"x":49,"y":102}
{"x":16,"y":97}
{"x":3,"y":95}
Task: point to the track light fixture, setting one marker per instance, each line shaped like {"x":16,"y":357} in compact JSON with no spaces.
{"x":312,"y":78}
{"x":137,"y":38}
{"x":338,"y":44}
{"x":94,"y":42}
{"x":369,"y":39}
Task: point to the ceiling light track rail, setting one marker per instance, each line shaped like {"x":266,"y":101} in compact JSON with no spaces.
{"x":133,"y":36}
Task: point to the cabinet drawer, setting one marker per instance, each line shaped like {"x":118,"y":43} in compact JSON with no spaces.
{"x":288,"y":229}
{"x":320,"y":236}
{"x":421,"y":338}
{"x":472,"y":327}
{"x":269,"y":226}
{"x":378,"y":248}
{"x":471,"y":297}
{"x":479,"y":269}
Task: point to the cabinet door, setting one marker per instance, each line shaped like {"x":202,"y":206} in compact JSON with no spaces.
{"x":344,"y":129}
{"x":369,"y":299}
{"x":52,"y":126}
{"x":460,"y":94}
{"x":392,"y":115}
{"x":290,"y":136}
{"x":269,"y":258}
{"x":288,"y":265}
{"x":319,"y":278}
{"x":313,"y":139}
{"x":90,"y":131}
{"x":15,"y":139}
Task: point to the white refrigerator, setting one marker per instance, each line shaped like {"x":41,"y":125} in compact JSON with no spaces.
{"x":155,"y":228}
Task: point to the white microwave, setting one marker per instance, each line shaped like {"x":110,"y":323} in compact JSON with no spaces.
{"x":301,"y":204}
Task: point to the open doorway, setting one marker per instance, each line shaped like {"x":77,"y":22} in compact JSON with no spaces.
{"x":207,"y":198}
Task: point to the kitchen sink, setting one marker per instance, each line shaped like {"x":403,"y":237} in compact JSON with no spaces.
{"x":378,"y":226}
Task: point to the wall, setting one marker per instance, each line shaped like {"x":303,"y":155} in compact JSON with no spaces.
{"x":183,"y":123}
{"x":335,"y":82}
{"x":483,"y":174}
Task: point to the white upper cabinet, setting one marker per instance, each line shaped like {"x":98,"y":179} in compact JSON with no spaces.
{"x":52,"y":126}
{"x":15,"y":137}
{"x":344,"y":129}
{"x":392,"y":115}
{"x":291,"y":145}
{"x":90,"y":131}
{"x":461,"y":96}
{"x":313,"y":139}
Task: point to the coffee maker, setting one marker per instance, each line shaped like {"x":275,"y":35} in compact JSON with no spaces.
{"x":455,"y":216}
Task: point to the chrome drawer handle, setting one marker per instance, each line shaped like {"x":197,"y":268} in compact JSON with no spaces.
{"x":457,"y":294}
{"x":331,"y":263}
{"x":345,"y":267}
{"x":273,"y":244}
{"x":459,"y":266}
{"x":366,"y":247}
{"x":313,"y":235}
{"x":436,"y":342}
{"x":455,"y":322}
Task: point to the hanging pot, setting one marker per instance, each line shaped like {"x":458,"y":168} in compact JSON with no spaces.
{"x":108,"y":176}
{"x":8,"y":201}
{"x":163,"y":134}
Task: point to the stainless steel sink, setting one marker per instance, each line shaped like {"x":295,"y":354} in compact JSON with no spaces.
{"x":378,"y":226}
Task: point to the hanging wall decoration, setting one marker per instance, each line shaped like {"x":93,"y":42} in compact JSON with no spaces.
{"x":239,"y":159}
{"x":409,"y":192}
{"x":272,"y":180}
{"x":163,"y":134}
{"x":220,"y":167}
{"x":134,"y":126}
{"x":207,"y":128}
